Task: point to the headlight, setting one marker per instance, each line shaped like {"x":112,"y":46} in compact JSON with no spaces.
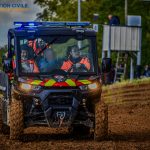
{"x":26,"y":87}
{"x":93,"y":86}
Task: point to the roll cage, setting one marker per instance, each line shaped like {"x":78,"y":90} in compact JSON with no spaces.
{"x":32,"y":30}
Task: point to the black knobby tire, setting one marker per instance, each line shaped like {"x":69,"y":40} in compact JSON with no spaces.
{"x":3,"y":127}
{"x":16,"y":119}
{"x":101,"y":121}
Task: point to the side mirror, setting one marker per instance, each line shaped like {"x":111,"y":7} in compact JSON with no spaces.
{"x":106,"y":65}
{"x":7,"y":65}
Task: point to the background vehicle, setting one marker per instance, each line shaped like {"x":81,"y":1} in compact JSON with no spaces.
{"x":52,"y":97}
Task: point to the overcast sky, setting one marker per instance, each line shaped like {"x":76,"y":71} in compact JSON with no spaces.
{"x":7,"y":17}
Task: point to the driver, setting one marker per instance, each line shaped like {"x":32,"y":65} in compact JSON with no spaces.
{"x":75,"y":62}
{"x":28,"y":65}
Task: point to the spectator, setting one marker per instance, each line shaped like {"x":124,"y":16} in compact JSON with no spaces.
{"x":138,"y":71}
{"x":112,"y":73}
{"x":113,"y":20}
{"x":146,"y":71}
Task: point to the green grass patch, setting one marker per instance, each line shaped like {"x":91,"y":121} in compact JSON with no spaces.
{"x":127,"y":83}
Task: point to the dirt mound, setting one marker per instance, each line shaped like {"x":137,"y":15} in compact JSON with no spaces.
{"x":127,"y":92}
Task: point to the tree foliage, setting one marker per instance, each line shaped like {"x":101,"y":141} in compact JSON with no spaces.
{"x":66,"y":10}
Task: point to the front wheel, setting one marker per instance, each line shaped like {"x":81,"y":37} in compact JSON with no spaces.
{"x":16,"y":119}
{"x":3,"y":127}
{"x":101,"y":121}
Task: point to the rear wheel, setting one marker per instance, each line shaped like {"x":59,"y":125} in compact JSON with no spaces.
{"x":101,"y":121}
{"x":16,"y":119}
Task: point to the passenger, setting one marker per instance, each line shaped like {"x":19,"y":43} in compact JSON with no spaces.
{"x":33,"y":45}
{"x":75,"y":62}
{"x":28,"y":65}
{"x":48,"y":62}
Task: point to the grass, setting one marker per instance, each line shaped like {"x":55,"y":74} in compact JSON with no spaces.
{"x":127,"y":82}
{"x":114,"y":95}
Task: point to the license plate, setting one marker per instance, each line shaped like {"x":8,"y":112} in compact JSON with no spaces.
{"x":61,"y":115}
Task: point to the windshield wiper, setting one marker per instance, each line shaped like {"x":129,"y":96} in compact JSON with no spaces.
{"x":84,"y":47}
{"x":47,"y":45}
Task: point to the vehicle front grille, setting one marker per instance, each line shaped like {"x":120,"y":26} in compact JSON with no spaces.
{"x":60,"y":99}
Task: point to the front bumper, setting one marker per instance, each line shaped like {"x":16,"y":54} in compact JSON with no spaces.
{"x":54,"y":107}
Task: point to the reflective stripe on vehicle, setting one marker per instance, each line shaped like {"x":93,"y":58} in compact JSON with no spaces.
{"x":36,"y":82}
{"x":85,"y":81}
{"x":50,"y":82}
{"x":70,"y":82}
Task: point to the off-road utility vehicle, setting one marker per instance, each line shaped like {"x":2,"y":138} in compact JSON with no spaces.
{"x":37,"y":90}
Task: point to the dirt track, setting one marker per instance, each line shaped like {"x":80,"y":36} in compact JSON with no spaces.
{"x":129,"y":128}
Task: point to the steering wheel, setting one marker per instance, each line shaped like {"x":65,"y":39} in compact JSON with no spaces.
{"x":77,"y":69}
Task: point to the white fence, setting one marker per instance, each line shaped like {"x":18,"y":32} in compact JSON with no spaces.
{"x":121,"y":38}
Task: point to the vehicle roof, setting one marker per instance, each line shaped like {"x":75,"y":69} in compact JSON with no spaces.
{"x":25,"y":31}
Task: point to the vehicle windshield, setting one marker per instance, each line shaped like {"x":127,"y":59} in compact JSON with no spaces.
{"x":49,"y":54}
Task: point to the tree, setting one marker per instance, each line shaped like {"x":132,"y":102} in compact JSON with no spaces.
{"x":64,"y":10}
